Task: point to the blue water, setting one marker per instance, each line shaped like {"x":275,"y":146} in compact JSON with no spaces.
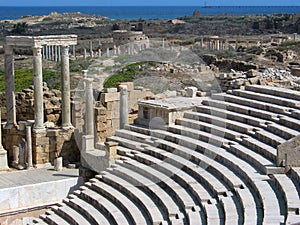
{"x":145,"y":12}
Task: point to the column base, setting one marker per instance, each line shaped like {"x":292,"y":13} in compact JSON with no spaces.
{"x":39,"y":130}
{"x":68,"y":127}
{"x":3,"y":159}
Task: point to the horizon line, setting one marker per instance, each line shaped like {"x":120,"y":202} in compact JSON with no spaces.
{"x":202,"y":6}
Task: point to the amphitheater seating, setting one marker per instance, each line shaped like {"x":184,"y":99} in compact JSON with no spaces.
{"x":215,"y":165}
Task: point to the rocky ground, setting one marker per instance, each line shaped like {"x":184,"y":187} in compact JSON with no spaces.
{"x":272,"y":63}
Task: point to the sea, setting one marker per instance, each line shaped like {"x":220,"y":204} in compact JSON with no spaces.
{"x":145,"y":12}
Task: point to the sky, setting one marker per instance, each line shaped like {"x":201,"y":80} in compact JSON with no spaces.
{"x":149,"y":3}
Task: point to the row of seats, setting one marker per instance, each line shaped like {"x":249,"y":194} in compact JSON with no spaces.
{"x":216,"y":165}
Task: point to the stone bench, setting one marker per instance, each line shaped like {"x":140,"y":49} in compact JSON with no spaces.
{"x":209,"y":128}
{"x":253,"y":103}
{"x":274,"y":91}
{"x":119,"y":199}
{"x":267,"y":98}
{"x":52,"y":218}
{"x":71,"y":215}
{"x":269,"y":138}
{"x":266,"y":150}
{"x":199,"y":135}
{"x":142,"y":166}
{"x":166,"y":202}
{"x":108,"y":208}
{"x":251,"y":157}
{"x":143,"y":200}
{"x":247,"y":110}
{"x":289,"y":191}
{"x":289,"y":122}
{"x":84,"y":208}
{"x":226,"y":114}
{"x":257,"y":181}
{"x":284,"y":132}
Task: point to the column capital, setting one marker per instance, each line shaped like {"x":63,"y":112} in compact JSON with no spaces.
{"x":9,"y":49}
{"x":65,"y":49}
{"x":37,"y":50}
{"x":84,"y":73}
{"x":123,"y":89}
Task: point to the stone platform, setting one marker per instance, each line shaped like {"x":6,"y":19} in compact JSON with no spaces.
{"x":21,"y":190}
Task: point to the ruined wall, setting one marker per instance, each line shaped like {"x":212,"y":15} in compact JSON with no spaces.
{"x":25,"y":105}
{"x":107,"y":110}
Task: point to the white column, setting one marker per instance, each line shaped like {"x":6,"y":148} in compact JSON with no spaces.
{"x":29,"y":145}
{"x":65,"y":83}
{"x":123,"y":106}
{"x":38,"y":89}
{"x":74,"y":50}
{"x":10,"y":87}
{"x":163,"y":43}
{"x":55,"y":53}
{"x":107,"y":52}
{"x":58,"y":51}
{"x":84,"y":53}
{"x":89,"y":107}
{"x":91,"y":49}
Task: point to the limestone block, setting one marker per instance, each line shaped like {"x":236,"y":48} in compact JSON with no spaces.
{"x":110,"y":90}
{"x":109,"y":97}
{"x":288,"y":153}
{"x":111,"y":148}
{"x":191,"y":92}
{"x":109,"y":115}
{"x":130,"y":86}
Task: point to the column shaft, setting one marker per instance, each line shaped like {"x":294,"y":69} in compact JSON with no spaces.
{"x":123,"y":106}
{"x":89,"y":104}
{"x":38,"y":89}
{"x":29,"y":145}
{"x":65,"y":82}
{"x":10,"y":87}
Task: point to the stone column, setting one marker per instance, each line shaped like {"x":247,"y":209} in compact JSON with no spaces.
{"x":201,"y":43}
{"x":99,"y":52}
{"x":84,"y":53}
{"x":58,"y":52}
{"x":107,"y":52}
{"x":52,"y":52}
{"x":3,"y":153}
{"x":91,"y":49}
{"x":295,"y":36}
{"x":55,"y":53}
{"x":29,"y":145}
{"x":163,"y":43}
{"x":74,"y":50}
{"x":10,"y":87}
{"x":38,"y":89}
{"x":218,"y":45}
{"x":89,"y":107}
{"x":65,"y":83}
{"x":123,"y":106}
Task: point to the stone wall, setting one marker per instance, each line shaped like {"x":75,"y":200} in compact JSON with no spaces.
{"x":288,"y":153}
{"x":107,"y":110}
{"x":25,"y":105}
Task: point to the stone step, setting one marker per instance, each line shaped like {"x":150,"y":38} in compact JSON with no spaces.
{"x":258,"y":113}
{"x":37,"y":221}
{"x":269,"y":107}
{"x":242,"y":201}
{"x":122,"y":201}
{"x":210,"y":128}
{"x":53,"y":219}
{"x":107,"y":208}
{"x":295,"y":174}
{"x":221,"y":122}
{"x":257,"y":146}
{"x":242,"y":168}
{"x":231,"y":211}
{"x":296,"y":114}
{"x":165,"y":201}
{"x":289,"y":122}
{"x":269,"y":138}
{"x":274,"y":91}
{"x":142,"y":199}
{"x":267,"y":98}
{"x":71,"y":215}
{"x":198,"y":134}
{"x":94,"y":216}
{"x":173,"y":187}
{"x":289,"y":191}
{"x":226,"y":114}
{"x":251,"y":157}
{"x":284,"y":132}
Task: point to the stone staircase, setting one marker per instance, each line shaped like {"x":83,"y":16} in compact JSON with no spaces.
{"x":216,"y":165}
